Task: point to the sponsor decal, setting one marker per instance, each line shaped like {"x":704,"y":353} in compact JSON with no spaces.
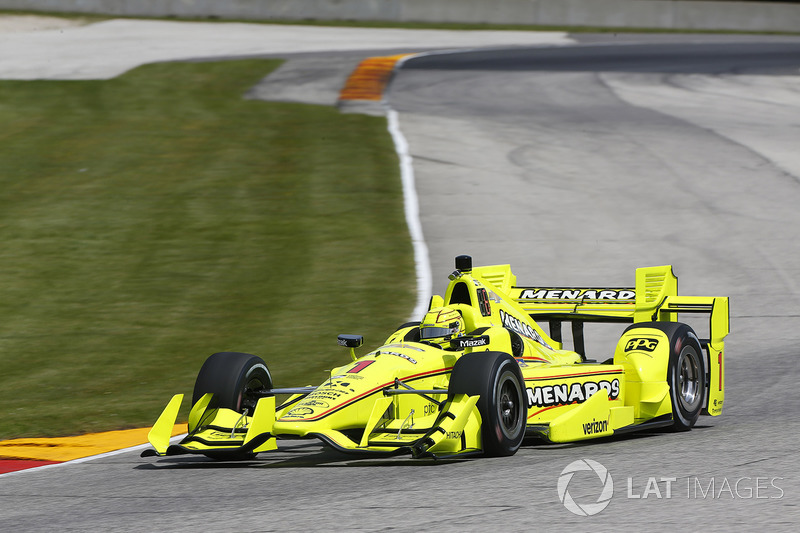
{"x":330,"y":391}
{"x":335,"y":396}
{"x":716,"y":408}
{"x":299,"y":412}
{"x":515,"y":324}
{"x":624,"y":295}
{"x":328,"y":394}
{"x":469,"y":342}
{"x":316,"y":403}
{"x":453,"y":434}
{"x":333,"y":385}
{"x":644,"y":344}
{"x":595,"y":426}
{"x":565,"y":393}
{"x":404,"y":356}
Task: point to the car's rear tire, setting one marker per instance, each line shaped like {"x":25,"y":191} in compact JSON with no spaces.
{"x":235,"y":379}
{"x":497,"y":378}
{"x":686,"y":372}
{"x":687,"y":380}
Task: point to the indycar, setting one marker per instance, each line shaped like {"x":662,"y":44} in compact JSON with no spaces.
{"x":477,"y":375}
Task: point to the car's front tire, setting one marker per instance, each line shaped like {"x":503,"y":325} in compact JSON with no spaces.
{"x":235,"y":379}
{"x":497,"y":378}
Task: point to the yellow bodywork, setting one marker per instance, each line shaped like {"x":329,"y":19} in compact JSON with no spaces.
{"x":396,"y":398}
{"x":596,"y":417}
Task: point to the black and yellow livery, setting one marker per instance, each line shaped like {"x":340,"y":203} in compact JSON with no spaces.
{"x":493,"y":378}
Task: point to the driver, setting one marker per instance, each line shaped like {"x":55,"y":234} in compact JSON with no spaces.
{"x":440,"y":325}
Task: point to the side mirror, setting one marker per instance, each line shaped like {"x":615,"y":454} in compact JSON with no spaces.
{"x":352,"y":342}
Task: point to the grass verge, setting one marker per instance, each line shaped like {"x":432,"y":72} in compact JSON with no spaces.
{"x":153,"y":219}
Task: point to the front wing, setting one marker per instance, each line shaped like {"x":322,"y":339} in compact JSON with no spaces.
{"x":224,"y":433}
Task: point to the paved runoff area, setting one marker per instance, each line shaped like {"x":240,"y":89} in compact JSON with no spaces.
{"x":76,"y":51}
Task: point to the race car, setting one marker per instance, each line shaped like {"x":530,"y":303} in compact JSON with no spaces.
{"x":477,"y":375}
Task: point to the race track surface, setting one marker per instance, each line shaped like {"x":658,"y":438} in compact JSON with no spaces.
{"x":574,"y":176}
{"x":576,"y":165}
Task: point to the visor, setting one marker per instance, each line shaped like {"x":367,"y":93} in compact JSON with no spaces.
{"x":435,"y":333}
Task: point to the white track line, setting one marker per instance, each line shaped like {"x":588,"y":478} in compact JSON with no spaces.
{"x":411,"y":203}
{"x":411,"y":206}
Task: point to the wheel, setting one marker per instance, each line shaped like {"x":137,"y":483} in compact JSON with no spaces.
{"x":234,"y":378}
{"x":497,"y":378}
{"x":686,"y":372}
{"x":686,"y":377}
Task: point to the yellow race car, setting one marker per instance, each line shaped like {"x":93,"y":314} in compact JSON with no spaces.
{"x":477,"y":375}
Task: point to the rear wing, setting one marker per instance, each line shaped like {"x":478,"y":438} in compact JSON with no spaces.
{"x":654,"y":297}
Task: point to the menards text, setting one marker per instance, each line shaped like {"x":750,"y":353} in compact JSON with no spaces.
{"x":565,"y":393}
{"x":578,"y":294}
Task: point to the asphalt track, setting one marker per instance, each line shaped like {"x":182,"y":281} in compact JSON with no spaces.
{"x":574,"y":177}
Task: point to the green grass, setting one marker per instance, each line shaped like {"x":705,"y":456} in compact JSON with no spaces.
{"x":153,"y":219}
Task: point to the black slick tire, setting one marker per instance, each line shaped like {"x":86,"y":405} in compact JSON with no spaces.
{"x":234,"y":378}
{"x":497,"y":379}
{"x":686,"y":372}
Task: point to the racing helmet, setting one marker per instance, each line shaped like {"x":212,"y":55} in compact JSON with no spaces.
{"x":441,"y":324}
